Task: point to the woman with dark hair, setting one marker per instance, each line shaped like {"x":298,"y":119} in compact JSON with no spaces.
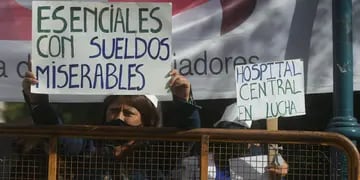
{"x":131,"y":110}
{"x":119,"y":110}
{"x":132,"y":105}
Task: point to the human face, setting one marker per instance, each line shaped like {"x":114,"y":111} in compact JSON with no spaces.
{"x":128,"y":114}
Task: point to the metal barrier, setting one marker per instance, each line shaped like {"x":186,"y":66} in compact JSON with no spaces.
{"x":167,"y":153}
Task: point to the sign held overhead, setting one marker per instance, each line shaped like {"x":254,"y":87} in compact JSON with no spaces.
{"x":101,"y":48}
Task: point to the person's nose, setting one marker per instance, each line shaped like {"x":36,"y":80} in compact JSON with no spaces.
{"x":121,"y":115}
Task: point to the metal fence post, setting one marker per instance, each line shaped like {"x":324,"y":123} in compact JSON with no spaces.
{"x":204,"y":157}
{"x":343,"y":120}
{"x":52,"y":162}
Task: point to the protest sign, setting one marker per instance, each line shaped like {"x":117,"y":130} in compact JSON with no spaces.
{"x":101,"y":48}
{"x":270,"y":90}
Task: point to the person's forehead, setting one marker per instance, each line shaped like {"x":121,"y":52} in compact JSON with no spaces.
{"x":120,"y":105}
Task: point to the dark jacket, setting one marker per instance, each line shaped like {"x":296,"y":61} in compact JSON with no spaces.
{"x":186,"y":116}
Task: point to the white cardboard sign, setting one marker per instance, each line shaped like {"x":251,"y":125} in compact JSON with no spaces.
{"x":101,"y":48}
{"x":270,"y":90}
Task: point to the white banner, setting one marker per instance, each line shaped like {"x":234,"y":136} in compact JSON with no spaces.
{"x":209,"y":39}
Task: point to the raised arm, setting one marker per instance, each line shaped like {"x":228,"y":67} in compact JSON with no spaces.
{"x":43,"y":114}
{"x":186,"y":113}
{"x":41,"y":111}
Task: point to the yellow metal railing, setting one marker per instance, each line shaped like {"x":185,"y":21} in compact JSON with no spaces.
{"x":209,"y":140}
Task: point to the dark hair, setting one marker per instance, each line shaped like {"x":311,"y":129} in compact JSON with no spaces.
{"x":149,"y":113}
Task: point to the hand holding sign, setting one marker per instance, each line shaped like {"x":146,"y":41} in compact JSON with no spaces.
{"x":268,"y":91}
{"x":179,"y":85}
{"x":29,"y":80}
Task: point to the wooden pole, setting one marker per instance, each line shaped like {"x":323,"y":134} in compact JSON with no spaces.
{"x":272,"y":125}
{"x":276,"y":171}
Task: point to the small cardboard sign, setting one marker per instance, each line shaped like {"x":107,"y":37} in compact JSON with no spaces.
{"x":270,"y":90}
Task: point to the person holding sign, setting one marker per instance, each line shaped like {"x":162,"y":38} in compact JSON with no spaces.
{"x":119,"y":110}
{"x":106,"y":48}
{"x":131,"y":110}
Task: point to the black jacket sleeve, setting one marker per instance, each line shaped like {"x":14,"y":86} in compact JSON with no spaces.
{"x":186,"y":114}
{"x":43,"y":114}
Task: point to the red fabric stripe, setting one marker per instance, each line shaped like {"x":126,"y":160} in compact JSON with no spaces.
{"x":15,"y":21}
{"x":235,"y":12}
{"x":178,"y":5}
